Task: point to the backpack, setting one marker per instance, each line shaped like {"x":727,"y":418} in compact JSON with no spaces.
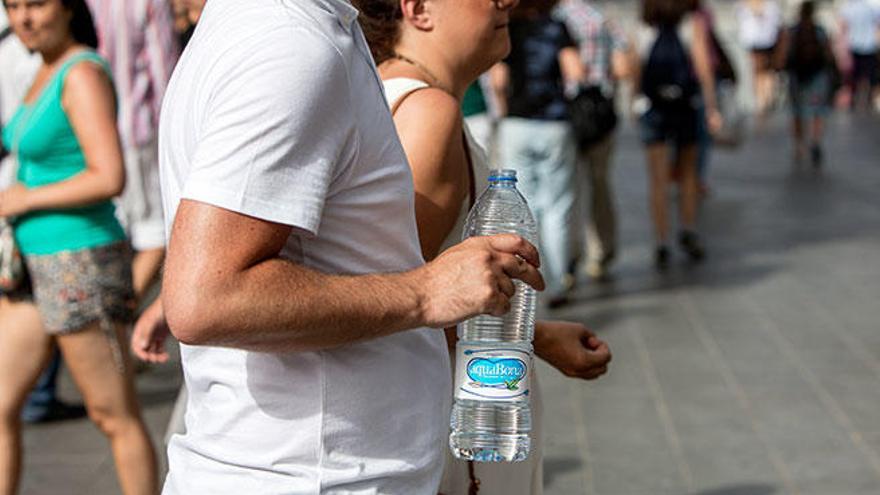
{"x":668,"y":77}
{"x":809,"y":52}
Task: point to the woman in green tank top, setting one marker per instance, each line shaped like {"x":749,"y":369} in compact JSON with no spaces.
{"x":79,"y":264}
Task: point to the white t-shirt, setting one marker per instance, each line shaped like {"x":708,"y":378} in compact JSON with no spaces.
{"x":759,"y":29}
{"x":863,"y":26}
{"x":276,"y":111}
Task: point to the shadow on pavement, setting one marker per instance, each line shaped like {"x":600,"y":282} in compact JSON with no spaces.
{"x":744,"y":489}
{"x":556,"y":466}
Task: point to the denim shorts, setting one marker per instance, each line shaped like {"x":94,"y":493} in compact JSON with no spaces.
{"x":75,"y":289}
{"x":662,"y":126}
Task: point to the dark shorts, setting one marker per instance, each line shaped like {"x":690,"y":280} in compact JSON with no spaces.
{"x":669,"y":126}
{"x":75,"y":289}
{"x":764,"y":56}
{"x":865,"y":66}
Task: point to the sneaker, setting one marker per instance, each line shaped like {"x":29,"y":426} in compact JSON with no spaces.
{"x":661,"y":258}
{"x":595,"y":270}
{"x":816,"y":156}
{"x":690,"y":244}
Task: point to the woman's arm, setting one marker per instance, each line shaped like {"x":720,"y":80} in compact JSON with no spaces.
{"x":90,"y":105}
{"x":705,"y":74}
{"x":429,"y":123}
{"x":572,"y":68}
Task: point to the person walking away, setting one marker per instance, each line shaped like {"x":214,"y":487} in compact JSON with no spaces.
{"x":137,"y":40}
{"x":535,"y":137}
{"x":809,"y":63}
{"x":675,"y":78}
{"x":80,"y":295}
{"x":294,"y":278}
{"x":606,"y":55}
{"x":760,"y":24}
{"x":860,"y":25}
{"x":426,"y":73}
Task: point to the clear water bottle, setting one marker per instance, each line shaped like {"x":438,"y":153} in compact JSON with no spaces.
{"x":491,"y":419}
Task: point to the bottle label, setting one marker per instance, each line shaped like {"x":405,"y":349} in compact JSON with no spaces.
{"x":498,"y":374}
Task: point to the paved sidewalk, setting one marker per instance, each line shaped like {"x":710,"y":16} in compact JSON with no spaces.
{"x":756,"y":373}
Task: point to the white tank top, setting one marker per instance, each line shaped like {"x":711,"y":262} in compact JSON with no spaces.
{"x":396,"y":90}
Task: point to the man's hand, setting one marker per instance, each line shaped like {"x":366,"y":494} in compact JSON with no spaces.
{"x":572,"y":349}
{"x":476,"y":277}
{"x":14,"y":201}
{"x":150,"y":332}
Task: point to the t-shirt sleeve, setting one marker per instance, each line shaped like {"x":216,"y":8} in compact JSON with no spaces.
{"x":565,"y":38}
{"x":275,"y":130}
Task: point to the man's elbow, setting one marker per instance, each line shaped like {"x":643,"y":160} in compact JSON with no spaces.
{"x":191,"y":318}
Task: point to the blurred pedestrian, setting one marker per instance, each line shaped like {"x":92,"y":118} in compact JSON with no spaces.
{"x":535,"y":136}
{"x":137,"y":40}
{"x":426,"y":73}
{"x":606,"y":55}
{"x":295,"y":279}
{"x":80,"y":295}
{"x":860,"y":25}
{"x":675,"y":79}
{"x":19,"y":67}
{"x":186,"y":15}
{"x":723,"y":81}
{"x":810,"y":64}
{"x":760,"y":24}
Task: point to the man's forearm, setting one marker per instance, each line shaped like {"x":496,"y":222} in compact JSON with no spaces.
{"x":279,"y":306}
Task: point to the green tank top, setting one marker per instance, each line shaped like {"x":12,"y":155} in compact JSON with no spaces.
{"x":48,"y":152}
{"x":473,"y":102}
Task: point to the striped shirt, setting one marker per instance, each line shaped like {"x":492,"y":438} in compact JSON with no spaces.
{"x":137,"y":38}
{"x":596,"y":36}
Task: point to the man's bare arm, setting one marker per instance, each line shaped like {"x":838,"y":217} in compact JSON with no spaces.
{"x":226,"y":286}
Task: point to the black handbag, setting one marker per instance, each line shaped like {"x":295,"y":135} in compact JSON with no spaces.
{"x":593,"y":116}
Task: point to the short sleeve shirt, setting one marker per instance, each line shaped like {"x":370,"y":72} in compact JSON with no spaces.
{"x":537,"y":90}
{"x":863,"y":26}
{"x":597,"y":38}
{"x":759,"y":29}
{"x":276,"y":111}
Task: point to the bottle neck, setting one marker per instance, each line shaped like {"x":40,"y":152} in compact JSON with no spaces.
{"x":502,"y":184}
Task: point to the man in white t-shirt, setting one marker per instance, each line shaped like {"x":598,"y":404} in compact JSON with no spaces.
{"x":860,"y":23}
{"x":294,"y":275}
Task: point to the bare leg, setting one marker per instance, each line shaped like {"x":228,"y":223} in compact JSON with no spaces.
{"x":658,"y":171}
{"x":816,"y":130}
{"x":689,"y":186}
{"x":108,"y":389}
{"x":25,"y":348}
{"x":145,"y":268}
{"x":797,"y":130}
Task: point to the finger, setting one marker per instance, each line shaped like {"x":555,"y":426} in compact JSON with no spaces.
{"x":140,"y":353}
{"x":500,"y":306}
{"x":518,"y":268}
{"x":514,"y":244}
{"x":593,"y":373}
{"x":505,"y":284}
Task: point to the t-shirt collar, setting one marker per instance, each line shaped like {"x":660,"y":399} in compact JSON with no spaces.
{"x":345,"y":11}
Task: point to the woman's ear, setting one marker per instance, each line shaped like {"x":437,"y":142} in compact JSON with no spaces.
{"x":417,"y":13}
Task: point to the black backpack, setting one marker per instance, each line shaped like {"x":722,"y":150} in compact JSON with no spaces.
{"x":668,"y":78}
{"x":809,"y":53}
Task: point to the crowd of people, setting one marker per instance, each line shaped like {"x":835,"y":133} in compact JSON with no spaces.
{"x":318,"y":159}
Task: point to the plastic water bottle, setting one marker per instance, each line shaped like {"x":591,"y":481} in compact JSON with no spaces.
{"x":491,"y":419}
